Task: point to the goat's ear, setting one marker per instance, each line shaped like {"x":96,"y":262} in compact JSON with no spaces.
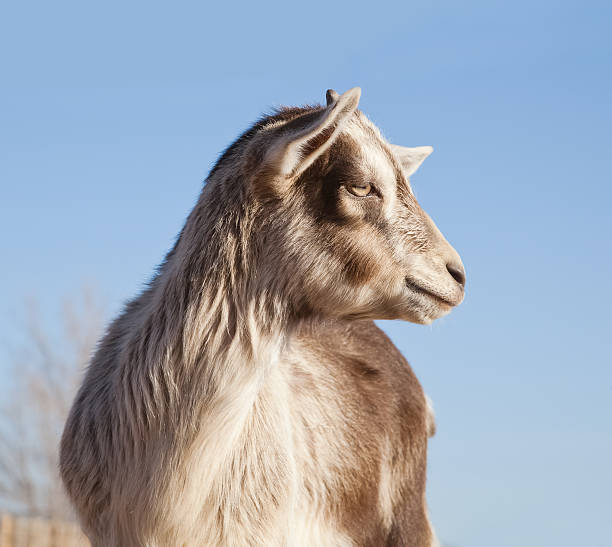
{"x":411,"y":158}
{"x":298,"y":143}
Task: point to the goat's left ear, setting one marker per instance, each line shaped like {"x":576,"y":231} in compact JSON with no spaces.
{"x":298,"y":143}
{"x":411,"y":158}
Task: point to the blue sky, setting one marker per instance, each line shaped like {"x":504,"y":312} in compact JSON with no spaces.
{"x":113,"y":114}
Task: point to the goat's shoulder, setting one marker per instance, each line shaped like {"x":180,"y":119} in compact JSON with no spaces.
{"x":363,"y":432}
{"x":360,"y":353}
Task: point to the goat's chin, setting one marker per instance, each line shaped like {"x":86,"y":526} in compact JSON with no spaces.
{"x":427,"y":317}
{"x":418,"y":308}
{"x":402,"y":303}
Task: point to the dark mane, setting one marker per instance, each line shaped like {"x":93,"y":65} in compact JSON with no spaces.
{"x":280,"y":114}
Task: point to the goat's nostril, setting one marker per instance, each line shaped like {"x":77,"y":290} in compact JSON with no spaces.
{"x":457,"y":272}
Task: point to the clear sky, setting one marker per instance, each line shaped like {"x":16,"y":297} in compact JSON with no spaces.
{"x":112,"y":114}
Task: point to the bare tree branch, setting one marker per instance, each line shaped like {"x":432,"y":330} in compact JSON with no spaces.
{"x":45,"y":372}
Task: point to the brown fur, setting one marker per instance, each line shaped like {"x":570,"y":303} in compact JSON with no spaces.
{"x":368,"y":382}
{"x":245,"y":397}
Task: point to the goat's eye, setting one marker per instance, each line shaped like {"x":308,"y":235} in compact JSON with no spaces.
{"x":360,"y":190}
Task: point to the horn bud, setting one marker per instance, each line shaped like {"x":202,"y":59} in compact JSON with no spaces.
{"x":331,"y":96}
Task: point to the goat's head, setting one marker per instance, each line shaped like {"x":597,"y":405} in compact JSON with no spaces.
{"x":341,"y":230}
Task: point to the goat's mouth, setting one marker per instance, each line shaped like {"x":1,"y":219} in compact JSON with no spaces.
{"x":414,"y":287}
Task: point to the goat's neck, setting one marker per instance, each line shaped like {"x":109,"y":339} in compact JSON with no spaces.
{"x":230,"y":330}
{"x":230,"y":404}
{"x":220,"y":397}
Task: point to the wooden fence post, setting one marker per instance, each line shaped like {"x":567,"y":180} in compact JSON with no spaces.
{"x":38,"y":532}
{"x":7,"y":525}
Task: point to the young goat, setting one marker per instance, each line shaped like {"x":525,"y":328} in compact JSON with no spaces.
{"x":246,"y":397}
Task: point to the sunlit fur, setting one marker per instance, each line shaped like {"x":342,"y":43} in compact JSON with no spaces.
{"x":246,"y":397}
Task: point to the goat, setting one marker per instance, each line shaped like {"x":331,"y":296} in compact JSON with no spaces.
{"x":246,"y":398}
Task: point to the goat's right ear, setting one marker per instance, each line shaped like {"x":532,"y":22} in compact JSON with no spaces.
{"x":295,"y":145}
